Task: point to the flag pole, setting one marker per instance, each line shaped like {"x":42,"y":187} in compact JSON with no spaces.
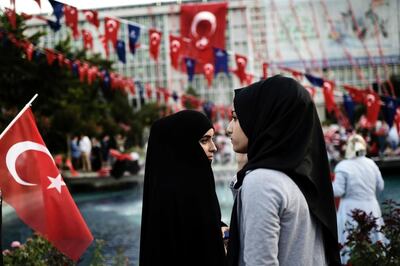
{"x":18,"y":115}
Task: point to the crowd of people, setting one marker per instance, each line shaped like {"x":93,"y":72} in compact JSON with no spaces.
{"x":381,"y":140}
{"x":91,"y":154}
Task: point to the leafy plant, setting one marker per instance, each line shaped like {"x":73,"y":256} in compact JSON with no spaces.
{"x":359,"y":246}
{"x":37,"y":251}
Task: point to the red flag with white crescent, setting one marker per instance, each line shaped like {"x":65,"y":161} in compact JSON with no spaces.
{"x":71,"y":19}
{"x":111,"y":27}
{"x":154,"y":42}
{"x":204,"y":24}
{"x":31,"y":183}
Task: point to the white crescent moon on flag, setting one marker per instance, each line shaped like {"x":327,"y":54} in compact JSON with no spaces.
{"x":111,"y":25}
{"x":16,"y":150}
{"x":89,"y":15}
{"x":203,"y":15}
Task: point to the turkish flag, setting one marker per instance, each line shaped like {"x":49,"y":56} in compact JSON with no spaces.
{"x":175,"y":49}
{"x":29,"y":48}
{"x":31,"y":183}
{"x":205,"y":25}
{"x":154,"y":41}
{"x":92,"y":17}
{"x":373,"y":103}
{"x":209,"y":73}
{"x":265,"y":70}
{"x":87,"y":40}
{"x":12,"y":17}
{"x":240,"y":72}
{"x":50,"y":55}
{"x":71,"y":19}
{"x":329,"y":98}
{"x":111,"y":30}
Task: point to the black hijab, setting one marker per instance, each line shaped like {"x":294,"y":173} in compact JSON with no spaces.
{"x":280,"y":120}
{"x":181,"y":215}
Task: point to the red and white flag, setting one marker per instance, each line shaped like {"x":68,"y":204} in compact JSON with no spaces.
{"x":71,"y":19}
{"x":240,"y":71}
{"x":204,"y":24}
{"x":111,"y":30}
{"x":92,"y":17}
{"x":31,"y":183}
{"x":175,"y":49}
{"x":154,"y":42}
{"x":87,"y":40}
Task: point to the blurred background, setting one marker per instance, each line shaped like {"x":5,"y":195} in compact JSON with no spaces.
{"x":106,"y":71}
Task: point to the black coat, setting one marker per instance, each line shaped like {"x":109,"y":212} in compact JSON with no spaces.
{"x":181,"y":214}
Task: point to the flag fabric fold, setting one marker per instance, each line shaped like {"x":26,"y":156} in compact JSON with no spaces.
{"x":31,"y":183}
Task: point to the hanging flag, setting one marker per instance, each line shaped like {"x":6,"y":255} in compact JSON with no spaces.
{"x":240,"y":72}
{"x":265,"y":70}
{"x":83,"y":72}
{"x":358,"y":95}
{"x":373,"y":104}
{"x":71,"y":19}
{"x":111,"y":27}
{"x":349,"y":107}
{"x":57,"y":9}
{"x":12,"y":17}
{"x":209,"y":73}
{"x":221,"y":61}
{"x":76,"y":65}
{"x":330,"y":103}
{"x":154,"y":41}
{"x":29,"y":48}
{"x":106,"y":79}
{"x":316,"y":81}
{"x":33,"y":186}
{"x":92,"y":17}
{"x":92,"y":74}
{"x":50,"y":55}
{"x":134,"y":34}
{"x":205,"y":25}
{"x":87,"y":40}
{"x":55,"y":26}
{"x":175,"y":48}
{"x":190,"y":67}
{"x":389,"y":109}
{"x":121,"y":51}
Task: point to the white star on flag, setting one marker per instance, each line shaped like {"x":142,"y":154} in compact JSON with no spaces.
{"x":56,"y":183}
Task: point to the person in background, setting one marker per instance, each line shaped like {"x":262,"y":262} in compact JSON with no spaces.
{"x":357,"y":181}
{"x":85,"y":146}
{"x":284,"y":212}
{"x":75,"y":152}
{"x":181,"y":218}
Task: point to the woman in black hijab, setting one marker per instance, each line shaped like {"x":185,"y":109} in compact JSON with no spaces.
{"x":284,"y":210}
{"x":181,"y":219}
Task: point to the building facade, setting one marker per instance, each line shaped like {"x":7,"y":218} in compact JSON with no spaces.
{"x":353,"y":42}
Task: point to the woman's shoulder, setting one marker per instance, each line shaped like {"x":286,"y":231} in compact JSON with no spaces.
{"x":266,"y":177}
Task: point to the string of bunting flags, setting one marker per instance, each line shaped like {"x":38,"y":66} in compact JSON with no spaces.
{"x":199,"y":50}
